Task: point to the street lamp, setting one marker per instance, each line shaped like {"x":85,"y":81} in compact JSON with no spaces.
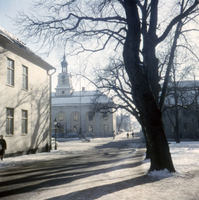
{"x":55,"y":124}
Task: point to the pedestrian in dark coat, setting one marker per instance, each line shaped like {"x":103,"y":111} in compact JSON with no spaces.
{"x":3,"y":146}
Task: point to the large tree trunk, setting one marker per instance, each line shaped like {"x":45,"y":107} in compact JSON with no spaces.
{"x":143,"y":95}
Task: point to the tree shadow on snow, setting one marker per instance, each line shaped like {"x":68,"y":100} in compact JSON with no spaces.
{"x":99,"y":191}
{"x":62,"y":171}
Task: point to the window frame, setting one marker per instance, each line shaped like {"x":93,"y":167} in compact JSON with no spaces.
{"x":105,"y":116}
{"x":186,"y":127}
{"x":105,"y":128}
{"x":24,"y":119}
{"x":61,"y":116}
{"x":10,"y":72}
{"x":172,"y":128}
{"x":75,"y":117}
{"x":91,"y":116}
{"x":90,"y":128}
{"x":63,"y":80}
{"x":9,"y":122}
{"x":24,"y":77}
{"x":75,"y":128}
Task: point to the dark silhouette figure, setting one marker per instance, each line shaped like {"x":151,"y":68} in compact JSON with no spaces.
{"x":113,"y":135}
{"x":3,"y":146}
{"x":127,"y":135}
{"x":133,"y":134}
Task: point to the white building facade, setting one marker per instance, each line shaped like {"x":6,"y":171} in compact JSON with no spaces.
{"x":72,"y":109}
{"x":25,"y":98}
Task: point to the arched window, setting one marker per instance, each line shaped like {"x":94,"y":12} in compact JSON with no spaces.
{"x":105,"y":128}
{"x":75,"y":128}
{"x":75,"y":116}
{"x":105,"y":116}
{"x":91,"y":116}
{"x":61,"y":117}
{"x":90,"y":128}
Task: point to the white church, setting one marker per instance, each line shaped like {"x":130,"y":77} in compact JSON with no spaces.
{"x":72,"y":109}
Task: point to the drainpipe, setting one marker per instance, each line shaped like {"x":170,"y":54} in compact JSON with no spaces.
{"x":50,"y":132}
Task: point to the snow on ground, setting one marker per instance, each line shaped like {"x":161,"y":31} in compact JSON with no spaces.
{"x":183,"y":185}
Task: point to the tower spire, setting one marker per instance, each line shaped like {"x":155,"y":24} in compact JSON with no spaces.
{"x":64,"y":64}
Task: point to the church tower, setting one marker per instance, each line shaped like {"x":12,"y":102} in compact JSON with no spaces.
{"x":64,"y":86}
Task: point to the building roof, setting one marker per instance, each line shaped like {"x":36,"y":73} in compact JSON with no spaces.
{"x":187,"y":92}
{"x":22,"y":46}
{"x":185,"y":84}
{"x":77,"y":97}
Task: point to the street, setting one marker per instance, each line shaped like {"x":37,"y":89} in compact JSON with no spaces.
{"x":90,"y":174}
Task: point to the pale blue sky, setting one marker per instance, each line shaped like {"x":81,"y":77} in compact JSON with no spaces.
{"x":9,"y":8}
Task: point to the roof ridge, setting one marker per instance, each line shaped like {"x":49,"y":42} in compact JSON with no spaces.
{"x":11,"y":36}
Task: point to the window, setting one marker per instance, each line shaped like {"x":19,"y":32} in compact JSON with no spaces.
{"x":63,"y":80}
{"x":105,"y":116}
{"x":75,"y":128}
{"x":10,"y":72}
{"x":105,"y":128}
{"x":172,"y":128}
{"x":24,"y":78}
{"x":90,"y":128}
{"x":186,"y":127}
{"x":75,"y":116}
{"x":24,"y":122}
{"x":91,"y":116}
{"x":9,"y":121}
{"x":185,"y":112}
{"x":172,"y":111}
{"x":61,"y":117}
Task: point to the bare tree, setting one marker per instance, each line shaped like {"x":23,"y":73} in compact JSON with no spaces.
{"x":129,"y":24}
{"x":119,"y":121}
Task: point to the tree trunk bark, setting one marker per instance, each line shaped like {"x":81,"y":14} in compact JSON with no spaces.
{"x":143,"y":96}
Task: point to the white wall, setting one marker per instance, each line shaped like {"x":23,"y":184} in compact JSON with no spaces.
{"x":35,"y":100}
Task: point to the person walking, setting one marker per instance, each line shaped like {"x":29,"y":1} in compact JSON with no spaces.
{"x":113,"y":135}
{"x":93,"y":135}
{"x":3,"y":146}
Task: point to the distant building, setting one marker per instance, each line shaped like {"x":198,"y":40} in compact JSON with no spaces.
{"x":25,"y":97}
{"x":181,"y":110}
{"x":124,"y":123}
{"x":72,"y":109}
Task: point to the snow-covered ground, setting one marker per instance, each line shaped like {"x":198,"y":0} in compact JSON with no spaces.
{"x":125,"y":183}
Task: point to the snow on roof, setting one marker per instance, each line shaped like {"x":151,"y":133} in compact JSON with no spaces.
{"x":77,"y":97}
{"x":85,"y":93}
{"x":185,"y":84}
{"x":11,"y":37}
{"x":21,"y":44}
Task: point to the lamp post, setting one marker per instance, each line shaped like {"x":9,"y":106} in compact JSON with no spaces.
{"x":55,"y":124}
